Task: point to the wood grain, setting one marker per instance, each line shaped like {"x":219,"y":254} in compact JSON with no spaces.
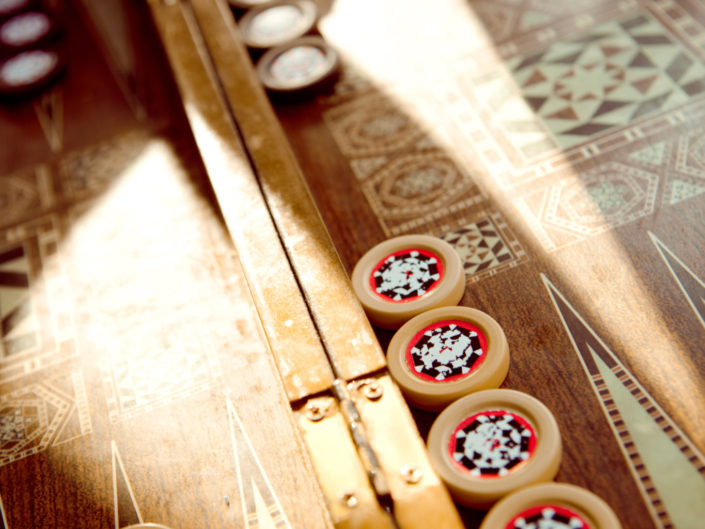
{"x":341,"y":323}
{"x":128,"y":325}
{"x":423,"y":80}
{"x":284,"y":313}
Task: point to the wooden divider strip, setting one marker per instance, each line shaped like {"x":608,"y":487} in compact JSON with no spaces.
{"x":347,"y":335}
{"x":287,"y":324}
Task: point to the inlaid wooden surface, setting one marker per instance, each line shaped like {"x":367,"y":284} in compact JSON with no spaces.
{"x":558,"y":147}
{"x":136,"y":381}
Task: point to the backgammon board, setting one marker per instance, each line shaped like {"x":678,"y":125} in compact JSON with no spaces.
{"x":180,"y":341}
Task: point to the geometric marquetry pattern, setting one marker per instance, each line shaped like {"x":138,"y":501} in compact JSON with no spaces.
{"x":35,"y":304}
{"x":485,"y":247}
{"x":687,"y":174}
{"x":25,"y":193}
{"x":599,"y":200}
{"x":408,"y":180}
{"x":371,"y":125}
{"x":18,"y":325}
{"x":668,"y":468}
{"x":137,"y":380}
{"x":91,"y":170}
{"x":509,"y":19}
{"x":41,"y":415}
{"x":564,"y":99}
{"x":590,"y":202}
{"x":411,"y":189}
{"x":615,"y":74}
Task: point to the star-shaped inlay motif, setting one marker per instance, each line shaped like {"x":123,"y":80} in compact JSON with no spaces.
{"x":589,"y":81}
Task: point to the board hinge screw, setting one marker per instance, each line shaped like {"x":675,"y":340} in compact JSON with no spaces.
{"x":411,"y":473}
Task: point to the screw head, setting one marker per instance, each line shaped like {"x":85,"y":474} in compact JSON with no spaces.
{"x":316,"y":410}
{"x":350,"y":499}
{"x":412,"y":474}
{"x":372,"y":389}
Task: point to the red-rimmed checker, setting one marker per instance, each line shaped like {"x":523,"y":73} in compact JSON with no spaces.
{"x":446,"y":353}
{"x":551,"y":506}
{"x":490,"y":443}
{"x":405,"y":276}
{"x":277,"y":22}
{"x":446,"y":350}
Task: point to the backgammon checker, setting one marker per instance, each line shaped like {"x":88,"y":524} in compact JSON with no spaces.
{"x":12,"y":7}
{"x":445,"y":353}
{"x":29,"y":70}
{"x":25,"y":30}
{"x":277,"y":23}
{"x":298,"y":66}
{"x":551,"y":506}
{"x":491,"y":443}
{"x":405,"y":276}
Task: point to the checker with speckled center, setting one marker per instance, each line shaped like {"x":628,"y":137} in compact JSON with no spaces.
{"x":446,"y":350}
{"x":406,"y":275}
{"x":548,"y":517}
{"x":491,"y":444}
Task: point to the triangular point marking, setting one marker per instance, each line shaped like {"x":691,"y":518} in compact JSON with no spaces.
{"x":595,"y":351}
{"x":117,"y":497}
{"x":50,"y":113}
{"x":237,"y":430}
{"x":264,"y":517}
{"x":3,"y":518}
{"x":692,"y":286}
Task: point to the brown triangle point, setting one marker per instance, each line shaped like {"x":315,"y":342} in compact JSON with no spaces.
{"x":644,"y":84}
{"x":536,"y":77}
{"x":565,"y":113}
{"x":609,"y":51}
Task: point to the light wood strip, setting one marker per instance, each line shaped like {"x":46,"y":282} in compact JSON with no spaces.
{"x":341,"y":322}
{"x":282,"y":310}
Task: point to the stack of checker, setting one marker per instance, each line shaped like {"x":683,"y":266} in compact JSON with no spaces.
{"x":29,"y":55}
{"x":291,"y":57}
{"x":487,"y":444}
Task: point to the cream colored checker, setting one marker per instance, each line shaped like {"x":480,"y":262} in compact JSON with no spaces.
{"x":592,"y":509}
{"x":482,"y":492}
{"x":276,"y":23}
{"x":385,"y":312}
{"x":458,"y":369}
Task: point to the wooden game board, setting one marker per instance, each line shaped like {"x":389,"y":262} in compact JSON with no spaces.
{"x":180,"y":343}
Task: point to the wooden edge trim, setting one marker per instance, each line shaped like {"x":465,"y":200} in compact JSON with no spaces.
{"x":344,"y":329}
{"x":282,"y":310}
